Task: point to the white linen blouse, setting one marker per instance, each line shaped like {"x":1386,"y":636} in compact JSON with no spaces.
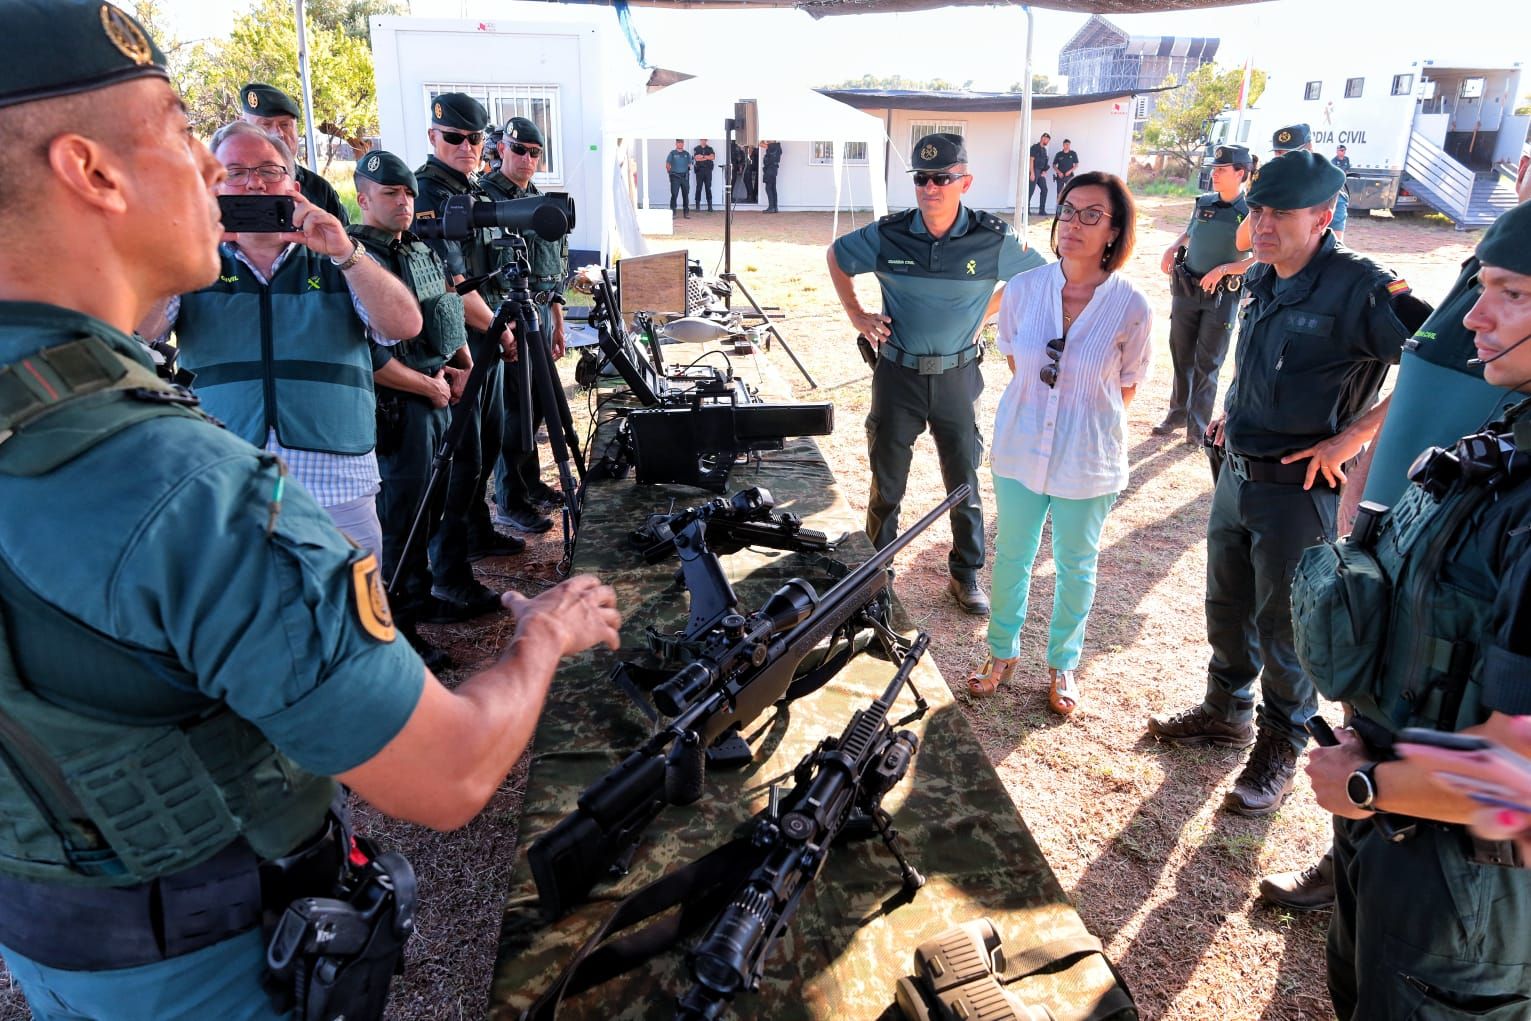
{"x":1069,"y":440}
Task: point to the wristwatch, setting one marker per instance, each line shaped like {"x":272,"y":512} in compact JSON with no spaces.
{"x":1361,"y":788}
{"x":350,"y":260}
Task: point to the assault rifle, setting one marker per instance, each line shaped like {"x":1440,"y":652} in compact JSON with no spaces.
{"x":746,"y":666}
{"x":839,"y":786}
{"x":745,"y":519}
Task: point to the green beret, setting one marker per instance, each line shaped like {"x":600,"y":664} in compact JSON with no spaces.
{"x":1230,"y":156}
{"x":519,"y":129}
{"x":937,"y":152}
{"x":1507,"y":242}
{"x":459,"y":111}
{"x":386,"y":168}
{"x":264,"y":100}
{"x":1293,"y":136}
{"x":56,"y":48}
{"x":1295,"y":180}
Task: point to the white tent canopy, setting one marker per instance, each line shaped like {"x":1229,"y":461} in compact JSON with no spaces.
{"x":697,"y":107}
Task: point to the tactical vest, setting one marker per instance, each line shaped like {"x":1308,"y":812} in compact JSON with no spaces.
{"x":903,"y":252}
{"x":480,"y":257}
{"x":441,"y":308}
{"x":1396,"y":628}
{"x":291,"y":355}
{"x":88,"y":797}
{"x":1213,"y":233}
{"x":549,"y":259}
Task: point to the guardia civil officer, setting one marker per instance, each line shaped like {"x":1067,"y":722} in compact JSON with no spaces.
{"x":941,"y":268}
{"x":189,"y":650}
{"x":456,"y":135}
{"x":1039,"y":164}
{"x":275,"y":112}
{"x":1296,"y":137}
{"x":1430,"y":920}
{"x":706,"y":159}
{"x":1065,"y":161}
{"x":1321,"y":328}
{"x":417,"y":380}
{"x":519,"y":492}
{"x":1341,"y":160}
{"x":770,"y":166}
{"x":677,"y":164}
{"x":1206,"y":265}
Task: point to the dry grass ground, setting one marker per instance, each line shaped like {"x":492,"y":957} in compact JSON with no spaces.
{"x":1130,"y":828}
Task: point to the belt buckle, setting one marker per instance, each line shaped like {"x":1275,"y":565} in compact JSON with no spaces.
{"x":930,"y":365}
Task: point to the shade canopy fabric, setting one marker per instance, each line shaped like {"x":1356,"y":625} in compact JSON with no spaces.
{"x":826,"y":8}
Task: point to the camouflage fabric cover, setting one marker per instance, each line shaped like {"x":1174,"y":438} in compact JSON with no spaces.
{"x":852,"y":937}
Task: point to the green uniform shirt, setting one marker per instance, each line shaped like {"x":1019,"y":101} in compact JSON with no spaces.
{"x":935,"y":290}
{"x":473,"y":256}
{"x":1312,"y":352}
{"x":157,"y":538}
{"x":678,"y":162}
{"x":1213,"y":233}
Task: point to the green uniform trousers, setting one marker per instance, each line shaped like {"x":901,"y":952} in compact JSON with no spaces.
{"x":1255,"y":535}
{"x":903,"y":404}
{"x":1200,"y":328}
{"x":405,"y":472}
{"x":1422,"y":932}
{"x":465,"y":523}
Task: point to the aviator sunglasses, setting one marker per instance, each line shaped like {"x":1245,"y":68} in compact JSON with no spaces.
{"x":457,"y":138}
{"x":941,"y":180}
{"x":1055,"y":352}
{"x":525,"y":150}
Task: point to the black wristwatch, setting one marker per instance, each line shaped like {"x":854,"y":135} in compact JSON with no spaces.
{"x":1361,"y":788}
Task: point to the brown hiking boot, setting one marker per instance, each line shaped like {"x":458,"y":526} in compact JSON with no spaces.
{"x":1309,"y":889}
{"x":1266,"y":779}
{"x":1196,"y":727}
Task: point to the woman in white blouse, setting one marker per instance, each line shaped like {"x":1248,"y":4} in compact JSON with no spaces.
{"x":1076,"y":335}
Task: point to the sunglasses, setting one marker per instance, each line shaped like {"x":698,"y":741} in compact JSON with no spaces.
{"x":525,"y":150}
{"x":1050,"y":370}
{"x":457,"y":138}
{"x":939,"y":180}
{"x":1088,"y":217}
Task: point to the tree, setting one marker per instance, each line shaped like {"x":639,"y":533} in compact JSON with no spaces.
{"x":1041,"y":85}
{"x":1181,"y":116}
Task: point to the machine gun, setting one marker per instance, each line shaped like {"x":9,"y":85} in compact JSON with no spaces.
{"x":748,"y":665}
{"x":839,"y":786}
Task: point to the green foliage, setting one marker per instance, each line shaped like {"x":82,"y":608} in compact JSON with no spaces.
{"x":1181,"y":115}
{"x":897,"y":81}
{"x":1165,"y":187}
{"x":1041,"y":85}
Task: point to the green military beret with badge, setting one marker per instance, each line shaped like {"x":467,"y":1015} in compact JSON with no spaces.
{"x":56,"y":48}
{"x":937,"y":152}
{"x":1230,"y":156}
{"x":1295,"y":180}
{"x":264,"y":100}
{"x":1507,"y":242}
{"x":384,"y":167}
{"x":519,"y":129}
{"x":459,"y":111}
{"x":1293,"y":136}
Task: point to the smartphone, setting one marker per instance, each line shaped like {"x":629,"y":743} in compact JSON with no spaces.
{"x":1445,"y":739}
{"x":1321,"y":732}
{"x":256,"y":214}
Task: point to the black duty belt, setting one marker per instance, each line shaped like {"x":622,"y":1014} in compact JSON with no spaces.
{"x":1258,"y":469}
{"x":103,"y":928}
{"x":928,"y":365}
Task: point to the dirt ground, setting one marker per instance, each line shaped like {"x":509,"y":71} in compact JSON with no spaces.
{"x":1131,"y":829}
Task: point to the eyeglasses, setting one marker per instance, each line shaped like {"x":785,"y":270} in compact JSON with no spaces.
{"x":525,"y":150}
{"x":939,"y":180}
{"x":456,"y":138}
{"x":1050,"y":370}
{"x":1088,"y":217}
{"x":271,"y":173}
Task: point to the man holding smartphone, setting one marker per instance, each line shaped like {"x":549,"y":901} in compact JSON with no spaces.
{"x":1431,"y":920}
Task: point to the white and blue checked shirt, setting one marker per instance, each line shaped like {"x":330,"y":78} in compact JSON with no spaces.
{"x":331,"y":479}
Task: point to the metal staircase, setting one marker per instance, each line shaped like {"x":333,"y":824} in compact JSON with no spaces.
{"x":1468,"y":199}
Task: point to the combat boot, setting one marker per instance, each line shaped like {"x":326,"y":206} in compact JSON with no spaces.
{"x":1267,"y":777}
{"x":969,"y":596}
{"x":1309,"y":889}
{"x":1196,"y":726}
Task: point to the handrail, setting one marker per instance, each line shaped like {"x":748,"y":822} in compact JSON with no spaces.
{"x":1451,"y":182}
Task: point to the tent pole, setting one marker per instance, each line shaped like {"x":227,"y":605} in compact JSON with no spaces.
{"x":729,"y":123}
{"x":1023,"y":178}
{"x":308,"y":91}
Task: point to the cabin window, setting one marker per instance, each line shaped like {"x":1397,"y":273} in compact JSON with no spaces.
{"x":539,"y":104}
{"x":823,"y":153}
{"x":1140,"y":111}
{"x":919,"y":129}
{"x":1403,"y":84}
{"x":1312,"y":91}
{"x":1353,"y":87}
{"x":1472,"y":88}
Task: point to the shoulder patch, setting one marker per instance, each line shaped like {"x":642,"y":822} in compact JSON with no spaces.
{"x":893,"y":217}
{"x":989,"y":220}
{"x":1398,"y":287}
{"x":371,"y":599}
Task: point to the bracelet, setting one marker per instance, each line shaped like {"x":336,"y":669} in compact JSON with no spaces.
{"x":350,"y":260}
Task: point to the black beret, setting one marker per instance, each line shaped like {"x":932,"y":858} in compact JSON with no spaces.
{"x":386,"y":168}
{"x":268,"y":101}
{"x":519,"y":129}
{"x":937,"y":152}
{"x":460,"y":111}
{"x":1295,"y":180}
{"x":1230,"y":156}
{"x":62,"y":47}
{"x":1293,"y":136}
{"x":1507,"y":242}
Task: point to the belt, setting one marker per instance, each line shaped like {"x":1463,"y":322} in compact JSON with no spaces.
{"x":1255,"y":469}
{"x":929,"y":365}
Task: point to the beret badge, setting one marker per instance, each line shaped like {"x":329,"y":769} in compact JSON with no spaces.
{"x":437,"y":110}
{"x":1285,"y":136}
{"x":125,"y":35}
{"x":373,"y":163}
